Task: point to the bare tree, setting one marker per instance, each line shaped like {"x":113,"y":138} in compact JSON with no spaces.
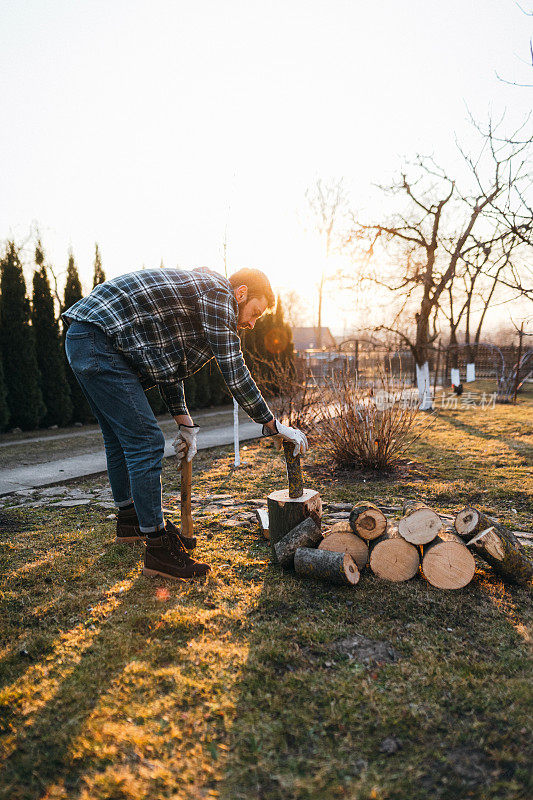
{"x":429,"y":239}
{"x":328,"y":204}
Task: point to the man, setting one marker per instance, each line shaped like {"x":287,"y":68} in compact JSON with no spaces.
{"x":157,"y":327}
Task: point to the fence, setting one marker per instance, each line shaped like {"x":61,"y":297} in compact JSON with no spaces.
{"x":368,"y":360}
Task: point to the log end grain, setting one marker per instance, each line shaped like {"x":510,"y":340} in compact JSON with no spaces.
{"x":341,"y":539}
{"x":367,"y":521}
{"x":420,"y":525}
{"x":466,"y":521}
{"x":394,"y":560}
{"x":448,"y":565}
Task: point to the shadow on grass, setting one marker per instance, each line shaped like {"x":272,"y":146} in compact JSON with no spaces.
{"x":312,"y":724}
{"x":42,"y":752}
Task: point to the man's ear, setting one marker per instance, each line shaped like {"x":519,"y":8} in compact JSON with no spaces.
{"x":241,"y":293}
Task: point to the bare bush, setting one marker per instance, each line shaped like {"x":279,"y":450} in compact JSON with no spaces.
{"x":368,"y":427}
{"x":295,"y":400}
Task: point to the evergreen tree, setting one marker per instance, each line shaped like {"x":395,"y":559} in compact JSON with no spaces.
{"x":220,"y":394}
{"x":4,"y":411}
{"x":203,"y":388}
{"x":21,"y":374}
{"x":81,"y":411}
{"x":54,"y":386}
{"x":99,"y":274}
{"x":189,"y":384}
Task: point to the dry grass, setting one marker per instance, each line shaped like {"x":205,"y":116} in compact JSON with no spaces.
{"x":116,"y":687}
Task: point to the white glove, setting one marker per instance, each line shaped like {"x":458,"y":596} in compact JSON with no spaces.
{"x":293,"y":435}
{"x":185,"y":442}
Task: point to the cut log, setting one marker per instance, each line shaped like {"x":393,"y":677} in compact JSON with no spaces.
{"x":306,"y":534}
{"x":419,"y":524}
{"x":392,"y":558}
{"x":294,"y":470}
{"x":447,"y":563}
{"x":499,"y":547}
{"x":333,"y":567}
{"x":285,"y":513}
{"x":341,"y":539}
{"x":367,"y":521}
{"x":262,"y":518}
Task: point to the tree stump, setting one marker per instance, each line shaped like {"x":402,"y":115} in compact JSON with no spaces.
{"x":341,"y":539}
{"x":332,"y":567}
{"x":392,"y":558}
{"x":419,"y":524}
{"x":495,"y":544}
{"x":367,"y":521}
{"x":447,"y":563}
{"x":306,"y":534}
{"x":285,"y":513}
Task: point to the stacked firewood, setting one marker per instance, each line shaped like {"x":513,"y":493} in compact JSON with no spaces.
{"x":396,"y":550}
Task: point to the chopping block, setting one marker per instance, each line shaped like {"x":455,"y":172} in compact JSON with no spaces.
{"x":288,"y":507}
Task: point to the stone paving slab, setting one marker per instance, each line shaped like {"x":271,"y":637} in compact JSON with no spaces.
{"x":64,"y":469}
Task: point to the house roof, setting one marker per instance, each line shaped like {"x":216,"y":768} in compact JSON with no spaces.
{"x":307,"y":338}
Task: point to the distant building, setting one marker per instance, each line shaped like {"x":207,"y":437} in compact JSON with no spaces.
{"x":308,"y":338}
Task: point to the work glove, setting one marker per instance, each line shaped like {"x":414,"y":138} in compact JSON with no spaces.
{"x":292,"y":435}
{"x":185,"y":443}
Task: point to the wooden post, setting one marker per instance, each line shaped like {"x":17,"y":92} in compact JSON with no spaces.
{"x":285,"y":513}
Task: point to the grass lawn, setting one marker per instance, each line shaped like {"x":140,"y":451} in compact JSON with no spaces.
{"x":118,"y":687}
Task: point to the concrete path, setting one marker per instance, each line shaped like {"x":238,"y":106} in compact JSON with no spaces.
{"x":92,"y":463}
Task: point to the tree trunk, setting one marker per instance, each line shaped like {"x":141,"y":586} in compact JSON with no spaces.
{"x":446,"y":561}
{"x":306,"y":534}
{"x":392,"y":558}
{"x":419,"y":524}
{"x":333,"y":567}
{"x":367,"y":521}
{"x":341,"y":539}
{"x":285,"y":513}
{"x":424,"y":387}
{"x":498,"y":546}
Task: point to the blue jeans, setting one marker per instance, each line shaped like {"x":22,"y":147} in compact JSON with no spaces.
{"x":134,"y":442}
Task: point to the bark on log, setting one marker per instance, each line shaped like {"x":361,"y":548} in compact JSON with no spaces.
{"x":306,"y":534}
{"x":332,"y":567}
{"x":367,"y":521}
{"x":392,"y":558}
{"x":499,"y":547}
{"x":419,"y":524}
{"x":341,"y":539}
{"x":447,"y":563}
{"x":285,"y":513}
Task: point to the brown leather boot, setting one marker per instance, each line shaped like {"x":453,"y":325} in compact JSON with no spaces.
{"x":128,"y":530}
{"x":128,"y":526}
{"x":167,"y":557}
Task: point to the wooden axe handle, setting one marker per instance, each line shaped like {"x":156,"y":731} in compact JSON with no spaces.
{"x":186,"y":514}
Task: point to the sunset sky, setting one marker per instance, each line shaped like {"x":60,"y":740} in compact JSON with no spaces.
{"x":154,"y":127}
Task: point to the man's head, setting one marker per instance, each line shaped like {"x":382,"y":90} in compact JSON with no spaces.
{"x":253,"y":294}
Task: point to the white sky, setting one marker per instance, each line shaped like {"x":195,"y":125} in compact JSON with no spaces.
{"x":151,"y":126}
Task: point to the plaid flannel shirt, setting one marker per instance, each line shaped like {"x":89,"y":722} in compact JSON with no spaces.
{"x":168,"y":323}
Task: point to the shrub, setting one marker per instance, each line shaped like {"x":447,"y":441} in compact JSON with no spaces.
{"x":367,"y":427}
